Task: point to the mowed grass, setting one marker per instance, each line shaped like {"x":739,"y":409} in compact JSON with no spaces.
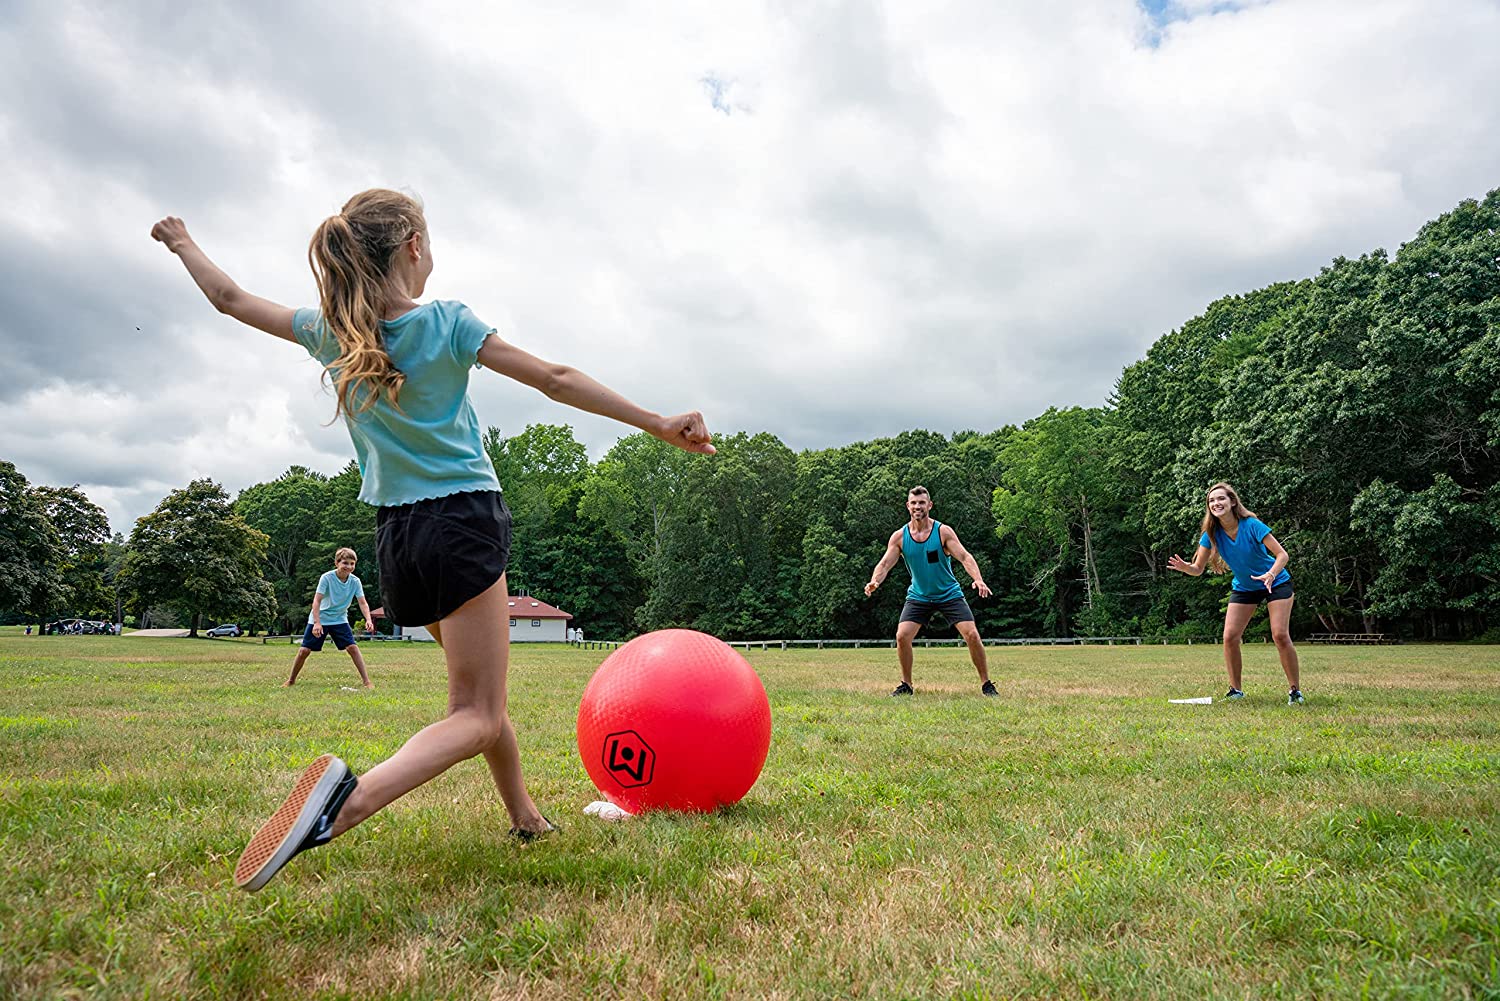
{"x":1077,"y":837}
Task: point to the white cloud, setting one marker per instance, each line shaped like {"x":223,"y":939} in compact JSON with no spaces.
{"x":909,"y":217}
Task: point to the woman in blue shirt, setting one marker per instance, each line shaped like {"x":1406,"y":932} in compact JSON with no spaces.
{"x":400,"y":373}
{"x":1232,"y":538}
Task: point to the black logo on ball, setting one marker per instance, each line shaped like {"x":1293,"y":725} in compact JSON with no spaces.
{"x":629,"y":759}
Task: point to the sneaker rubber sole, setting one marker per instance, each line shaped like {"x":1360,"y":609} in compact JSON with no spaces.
{"x":276,"y":842}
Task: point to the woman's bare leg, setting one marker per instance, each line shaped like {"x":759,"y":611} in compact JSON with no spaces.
{"x":1281,"y":618}
{"x":1235,"y":620}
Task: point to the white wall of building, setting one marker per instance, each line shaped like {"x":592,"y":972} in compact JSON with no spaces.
{"x":524,"y":630}
{"x":521,"y":631}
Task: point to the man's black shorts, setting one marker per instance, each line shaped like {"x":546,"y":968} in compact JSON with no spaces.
{"x":1259,"y":596}
{"x":955,"y":610}
{"x":340,"y":632}
{"x":437,"y":554}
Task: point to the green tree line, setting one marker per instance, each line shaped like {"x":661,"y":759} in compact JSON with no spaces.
{"x":1357,"y":412}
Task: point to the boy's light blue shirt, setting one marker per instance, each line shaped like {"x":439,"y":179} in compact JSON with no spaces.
{"x":337,"y":594}
{"x":431,"y":446}
{"x":1247,"y":555}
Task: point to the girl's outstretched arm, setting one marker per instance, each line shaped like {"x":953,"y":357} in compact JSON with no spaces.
{"x":226,"y":296}
{"x":571,"y":387}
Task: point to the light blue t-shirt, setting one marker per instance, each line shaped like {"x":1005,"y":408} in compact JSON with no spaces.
{"x":431,"y":446}
{"x":930,"y":566}
{"x":333,"y":609}
{"x":1246,"y":554}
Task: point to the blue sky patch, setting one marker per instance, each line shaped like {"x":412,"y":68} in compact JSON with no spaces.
{"x":1161,"y":13}
{"x":718,"y":92}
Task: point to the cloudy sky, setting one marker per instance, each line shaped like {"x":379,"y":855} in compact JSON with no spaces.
{"x":829,"y":221}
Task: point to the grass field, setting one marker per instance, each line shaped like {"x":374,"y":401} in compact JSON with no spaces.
{"x":1078,"y":837}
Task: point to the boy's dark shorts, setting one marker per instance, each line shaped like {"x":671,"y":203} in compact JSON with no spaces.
{"x":955,"y":610}
{"x":437,"y":554}
{"x":1280,"y":592}
{"x":340,"y":632}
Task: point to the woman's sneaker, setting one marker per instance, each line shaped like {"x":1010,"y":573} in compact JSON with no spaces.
{"x":902,"y":689}
{"x":1232,"y":694}
{"x":304,"y":820}
{"x":1294,"y":697}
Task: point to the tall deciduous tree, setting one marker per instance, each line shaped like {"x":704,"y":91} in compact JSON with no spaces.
{"x":290,"y":511}
{"x":634,"y":492}
{"x":347,"y":521}
{"x":82,"y":531}
{"x":539,"y":470}
{"x":194,"y":554}
{"x":30,"y":551}
{"x":730,"y":552}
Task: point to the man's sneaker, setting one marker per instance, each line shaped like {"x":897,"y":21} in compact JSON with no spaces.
{"x":901,"y":689}
{"x":988,"y":688}
{"x":304,"y":820}
{"x":526,"y":837}
{"x":1232,"y":694}
{"x":1294,"y":697}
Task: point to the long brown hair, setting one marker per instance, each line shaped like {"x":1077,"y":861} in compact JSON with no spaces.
{"x":1210,"y":524}
{"x":351,"y":255}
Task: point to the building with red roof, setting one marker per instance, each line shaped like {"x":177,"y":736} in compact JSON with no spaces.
{"x":531,"y":621}
{"x":534,"y":621}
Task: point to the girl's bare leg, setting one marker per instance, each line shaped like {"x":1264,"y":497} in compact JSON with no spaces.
{"x":476,"y":643}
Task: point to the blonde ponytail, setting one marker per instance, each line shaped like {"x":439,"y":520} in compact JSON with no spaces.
{"x":351,"y":255}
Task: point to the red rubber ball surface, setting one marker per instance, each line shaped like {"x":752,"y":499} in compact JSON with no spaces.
{"x":674,"y":720}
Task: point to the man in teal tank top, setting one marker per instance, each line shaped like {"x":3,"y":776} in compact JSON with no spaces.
{"x":929,"y":548}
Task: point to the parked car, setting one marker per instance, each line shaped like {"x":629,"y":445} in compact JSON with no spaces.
{"x":227,"y":629}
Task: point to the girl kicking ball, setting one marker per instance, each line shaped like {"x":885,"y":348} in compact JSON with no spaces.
{"x":1233,"y":538}
{"x":330,"y":616}
{"x":400,"y":373}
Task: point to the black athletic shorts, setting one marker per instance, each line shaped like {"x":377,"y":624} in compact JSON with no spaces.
{"x":955,"y":610}
{"x":437,"y":554}
{"x":1280,"y":592}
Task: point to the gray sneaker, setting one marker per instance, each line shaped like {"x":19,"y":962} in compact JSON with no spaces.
{"x":1232,"y":694}
{"x":304,"y":820}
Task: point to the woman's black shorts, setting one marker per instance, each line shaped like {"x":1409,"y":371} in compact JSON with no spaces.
{"x":1280,"y":592}
{"x":437,"y":554}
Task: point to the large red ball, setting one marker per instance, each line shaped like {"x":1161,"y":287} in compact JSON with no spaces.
{"x":674,"y":720}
